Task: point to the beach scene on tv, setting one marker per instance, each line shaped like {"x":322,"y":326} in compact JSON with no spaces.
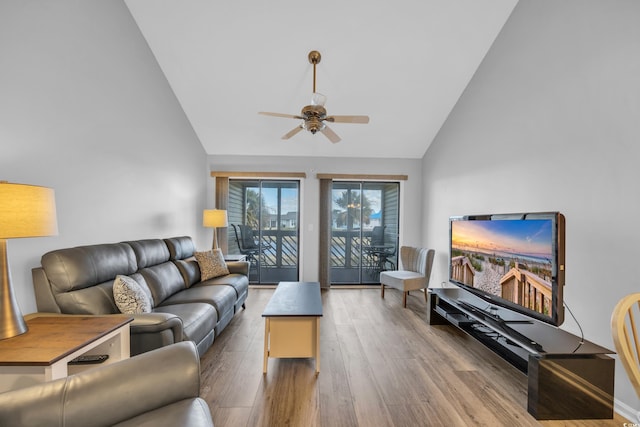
{"x":511,"y":259}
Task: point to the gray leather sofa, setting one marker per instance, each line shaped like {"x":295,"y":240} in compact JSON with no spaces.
{"x":158,"y":388}
{"x":80,"y":280}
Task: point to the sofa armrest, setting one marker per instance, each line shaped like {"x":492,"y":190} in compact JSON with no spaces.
{"x":150,"y":331}
{"x":239,"y":267}
{"x":157,"y":322}
{"x":45,"y":301}
{"x":109,"y":394}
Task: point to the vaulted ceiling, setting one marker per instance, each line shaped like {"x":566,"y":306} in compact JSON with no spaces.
{"x":404,"y":63}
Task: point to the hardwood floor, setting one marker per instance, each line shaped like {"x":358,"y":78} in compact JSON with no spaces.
{"x":380,"y":365}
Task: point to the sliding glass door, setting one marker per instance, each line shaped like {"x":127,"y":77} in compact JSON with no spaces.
{"x":364,"y":232}
{"x":263,"y":224}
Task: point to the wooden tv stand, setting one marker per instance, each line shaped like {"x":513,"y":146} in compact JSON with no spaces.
{"x":566,"y":379}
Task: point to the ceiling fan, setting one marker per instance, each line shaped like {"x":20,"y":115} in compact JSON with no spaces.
{"x":314,"y":116}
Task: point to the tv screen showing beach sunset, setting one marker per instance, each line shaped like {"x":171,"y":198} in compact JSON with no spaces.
{"x":512,"y":259}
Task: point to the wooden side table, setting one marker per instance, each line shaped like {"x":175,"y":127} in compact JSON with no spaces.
{"x":235,"y":257}
{"x":52,"y":341}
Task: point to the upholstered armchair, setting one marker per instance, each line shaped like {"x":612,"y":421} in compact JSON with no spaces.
{"x":157,"y":388}
{"x":414,"y":273}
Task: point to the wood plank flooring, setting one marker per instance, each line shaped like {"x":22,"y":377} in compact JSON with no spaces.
{"x":381,"y":365}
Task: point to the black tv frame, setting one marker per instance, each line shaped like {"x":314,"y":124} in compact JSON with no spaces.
{"x":558,"y":266}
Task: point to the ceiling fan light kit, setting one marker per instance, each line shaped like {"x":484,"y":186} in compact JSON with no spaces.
{"x":314,"y":116}
{"x":318,"y":99}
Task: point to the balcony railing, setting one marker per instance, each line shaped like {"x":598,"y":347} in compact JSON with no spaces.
{"x":281,"y":249}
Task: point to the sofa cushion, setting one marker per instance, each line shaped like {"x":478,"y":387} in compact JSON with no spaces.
{"x":211,"y":264}
{"x":198,"y":319}
{"x":163,"y":280}
{"x":129,"y":296}
{"x":97,"y":299}
{"x":149,"y":252}
{"x":238,"y":282}
{"x":189,"y":269}
{"x":180,"y":247}
{"x":85,"y":266}
{"x":221,"y":297}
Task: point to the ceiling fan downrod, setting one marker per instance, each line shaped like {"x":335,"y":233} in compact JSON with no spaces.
{"x":314,"y":58}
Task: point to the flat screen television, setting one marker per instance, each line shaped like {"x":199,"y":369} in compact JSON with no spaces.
{"x":515,"y":261}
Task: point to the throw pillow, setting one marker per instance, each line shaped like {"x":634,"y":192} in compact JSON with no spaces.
{"x":129,"y":296}
{"x":211,"y":264}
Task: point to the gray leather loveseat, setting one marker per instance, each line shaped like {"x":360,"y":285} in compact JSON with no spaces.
{"x":80,"y":280}
{"x":158,"y":388}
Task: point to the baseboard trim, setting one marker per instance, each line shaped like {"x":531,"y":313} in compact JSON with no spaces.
{"x":626,"y":411}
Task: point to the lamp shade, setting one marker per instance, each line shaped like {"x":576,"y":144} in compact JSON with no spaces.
{"x":26,"y":211}
{"x":214,"y":218}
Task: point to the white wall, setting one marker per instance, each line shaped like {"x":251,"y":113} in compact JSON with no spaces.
{"x":551,"y":121}
{"x":410,"y":192}
{"x":85,"y":109}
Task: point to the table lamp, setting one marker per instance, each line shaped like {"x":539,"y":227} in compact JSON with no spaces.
{"x":25,"y":211}
{"x":215,"y":218}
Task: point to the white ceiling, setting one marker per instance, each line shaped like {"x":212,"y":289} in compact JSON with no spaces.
{"x":403,"y":63}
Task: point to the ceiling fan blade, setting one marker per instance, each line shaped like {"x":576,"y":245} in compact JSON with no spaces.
{"x":292,"y":132}
{"x":333,"y":137}
{"x":286,"y":116}
{"x":348,"y":119}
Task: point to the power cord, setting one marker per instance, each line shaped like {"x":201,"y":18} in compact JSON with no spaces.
{"x":578,"y":324}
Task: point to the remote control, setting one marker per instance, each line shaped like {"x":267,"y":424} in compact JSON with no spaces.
{"x":89,"y":359}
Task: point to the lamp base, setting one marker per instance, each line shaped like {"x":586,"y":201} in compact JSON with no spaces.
{"x":214,"y":246}
{"x":11,"y":321}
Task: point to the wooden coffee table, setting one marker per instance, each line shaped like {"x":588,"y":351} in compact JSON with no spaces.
{"x":44,"y":351}
{"x":292,"y":322}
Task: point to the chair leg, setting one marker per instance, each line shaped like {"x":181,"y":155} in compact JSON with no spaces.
{"x":381,"y":290}
{"x":404,"y":299}
{"x":425,"y":295}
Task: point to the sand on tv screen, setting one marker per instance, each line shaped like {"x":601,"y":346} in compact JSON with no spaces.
{"x":511,"y":259}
